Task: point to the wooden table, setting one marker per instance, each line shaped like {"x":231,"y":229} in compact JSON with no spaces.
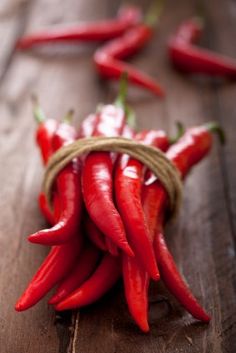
{"x":203,"y":238}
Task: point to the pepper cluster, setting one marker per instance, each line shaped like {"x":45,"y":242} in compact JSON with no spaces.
{"x":108,"y":216}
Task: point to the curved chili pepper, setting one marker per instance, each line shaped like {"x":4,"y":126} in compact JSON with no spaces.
{"x":189,"y":58}
{"x":97,"y":183}
{"x":111,"y":247}
{"x":128,"y":16}
{"x":129,"y":177}
{"x":68,"y":189}
{"x":45,"y":131}
{"x":189,"y":150}
{"x":50,"y":215}
{"x":108,"y":58}
{"x":94,"y":234}
{"x":55,"y":267}
{"x":83,"y":269}
{"x":101,"y":281}
{"x":128,"y":184}
{"x":174,"y":282}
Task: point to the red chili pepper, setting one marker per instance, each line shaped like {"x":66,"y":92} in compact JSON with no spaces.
{"x":50,"y":215}
{"x":174,"y":282}
{"x":128,"y":185}
{"x":189,"y":150}
{"x":83,"y":269}
{"x":59,"y":262}
{"x":128,"y":180}
{"x":94,"y":234}
{"x":97,"y":183}
{"x":45,"y":131}
{"x":68,"y":189}
{"x":189,"y":58}
{"x":128,"y":16}
{"x":105,"y":276}
{"x":111,"y":247}
{"x":108,"y":58}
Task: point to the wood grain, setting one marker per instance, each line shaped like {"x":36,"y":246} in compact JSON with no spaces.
{"x":203,"y":239}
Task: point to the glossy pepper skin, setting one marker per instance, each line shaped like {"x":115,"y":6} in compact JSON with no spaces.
{"x":69,"y":192}
{"x":128,"y":180}
{"x":189,"y":150}
{"x":44,"y":134}
{"x":84,"y":267}
{"x":109,"y":64}
{"x":187,"y":57}
{"x":94,"y":234}
{"x":102,"y":280}
{"x":128,"y":185}
{"x":59,"y":262}
{"x":97,"y":183}
{"x":102,"y":30}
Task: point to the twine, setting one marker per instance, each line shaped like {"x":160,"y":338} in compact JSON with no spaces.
{"x":152,"y":157}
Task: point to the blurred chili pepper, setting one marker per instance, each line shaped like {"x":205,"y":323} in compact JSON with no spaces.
{"x":128,"y":16}
{"x":187,"y":57}
{"x":108,"y":58}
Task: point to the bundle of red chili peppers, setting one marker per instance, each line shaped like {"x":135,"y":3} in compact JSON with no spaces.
{"x":108,"y":216}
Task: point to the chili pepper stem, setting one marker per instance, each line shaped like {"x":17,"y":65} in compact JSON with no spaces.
{"x":216,"y":128}
{"x":179,"y":133}
{"x":121,"y":99}
{"x":37,"y":110}
{"x":68,"y":117}
{"x":154,"y":12}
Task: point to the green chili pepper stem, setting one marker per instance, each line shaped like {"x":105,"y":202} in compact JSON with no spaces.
{"x":121,"y":101}
{"x":154,"y":13}
{"x":216,"y":128}
{"x":68,"y":117}
{"x":180,"y":131}
{"x":121,"y":98}
{"x":38,"y":113}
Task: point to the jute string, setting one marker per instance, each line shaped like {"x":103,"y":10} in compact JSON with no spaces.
{"x":153,"y":158}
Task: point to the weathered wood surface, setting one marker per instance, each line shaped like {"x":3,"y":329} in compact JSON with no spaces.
{"x":203,"y":239}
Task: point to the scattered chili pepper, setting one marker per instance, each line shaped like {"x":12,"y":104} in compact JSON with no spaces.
{"x":97,"y":184}
{"x":101,"y":281}
{"x":59,"y":262}
{"x":187,"y":57}
{"x":128,"y":16}
{"x":108,"y":58}
{"x":84,"y":267}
